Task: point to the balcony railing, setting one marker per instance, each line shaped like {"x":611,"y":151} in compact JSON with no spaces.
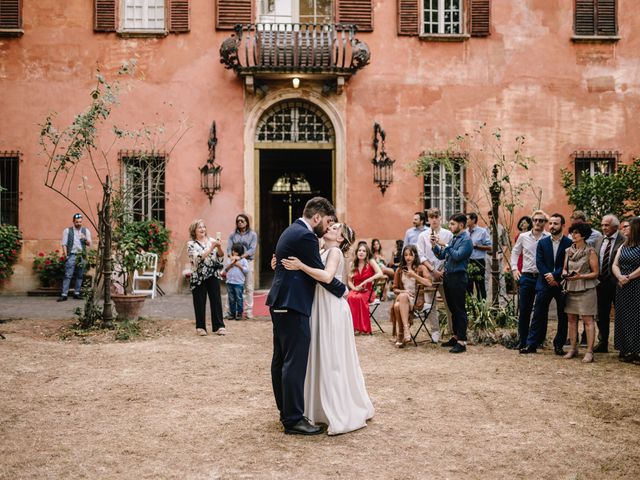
{"x":294,"y":48}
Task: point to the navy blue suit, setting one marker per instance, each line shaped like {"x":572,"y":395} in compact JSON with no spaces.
{"x":290,"y":299}
{"x":546,"y":263}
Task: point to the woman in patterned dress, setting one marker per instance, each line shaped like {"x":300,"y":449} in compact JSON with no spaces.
{"x":626,"y":268}
{"x":205,"y":254}
{"x":364,"y":272}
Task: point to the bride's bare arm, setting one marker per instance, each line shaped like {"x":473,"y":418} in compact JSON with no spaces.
{"x":324,"y":276}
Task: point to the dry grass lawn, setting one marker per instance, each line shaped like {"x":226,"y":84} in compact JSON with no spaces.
{"x":174,"y":405}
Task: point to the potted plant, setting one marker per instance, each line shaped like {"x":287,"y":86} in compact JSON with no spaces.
{"x":130,"y":238}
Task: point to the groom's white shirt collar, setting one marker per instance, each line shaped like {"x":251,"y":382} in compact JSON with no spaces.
{"x":307,"y":224}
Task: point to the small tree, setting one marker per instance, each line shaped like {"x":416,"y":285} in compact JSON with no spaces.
{"x":599,"y":195}
{"x":79,"y":143}
{"x":490,"y":165}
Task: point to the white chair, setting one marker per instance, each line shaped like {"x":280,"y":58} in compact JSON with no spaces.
{"x":147,"y":273}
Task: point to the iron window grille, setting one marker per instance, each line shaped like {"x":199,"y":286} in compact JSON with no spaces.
{"x":143,"y":176}
{"x":295,"y":122}
{"x":9,"y":187}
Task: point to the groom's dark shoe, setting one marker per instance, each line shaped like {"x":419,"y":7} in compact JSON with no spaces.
{"x":303,"y":427}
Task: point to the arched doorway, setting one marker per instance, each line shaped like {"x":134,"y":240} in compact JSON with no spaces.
{"x":294,"y":145}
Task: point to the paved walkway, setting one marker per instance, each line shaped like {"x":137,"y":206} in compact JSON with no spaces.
{"x":174,"y":306}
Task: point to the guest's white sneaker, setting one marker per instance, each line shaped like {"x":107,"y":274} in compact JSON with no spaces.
{"x":435,"y":337}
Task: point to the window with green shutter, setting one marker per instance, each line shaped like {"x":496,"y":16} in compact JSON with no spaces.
{"x":11,"y":18}
{"x":596,"y":19}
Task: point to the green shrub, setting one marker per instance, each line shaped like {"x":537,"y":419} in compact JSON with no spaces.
{"x":10,"y":246}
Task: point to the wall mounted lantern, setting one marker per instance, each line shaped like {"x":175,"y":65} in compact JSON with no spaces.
{"x":382,"y":164}
{"x":210,"y":172}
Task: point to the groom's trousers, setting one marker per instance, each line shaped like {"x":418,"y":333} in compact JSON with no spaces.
{"x":291,"y":337}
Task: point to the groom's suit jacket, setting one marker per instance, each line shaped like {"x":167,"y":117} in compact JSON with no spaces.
{"x":294,"y":289}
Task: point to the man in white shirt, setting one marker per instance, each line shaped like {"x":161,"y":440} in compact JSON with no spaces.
{"x":435,"y":266}
{"x":527,"y":244}
{"x":75,"y":240}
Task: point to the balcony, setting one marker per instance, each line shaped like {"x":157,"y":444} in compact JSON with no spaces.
{"x":263,"y":51}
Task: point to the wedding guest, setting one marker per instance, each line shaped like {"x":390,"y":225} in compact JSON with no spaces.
{"x":405,"y":286}
{"x":205,"y":254}
{"x":376,"y":251}
{"x":412,"y":234}
{"x":481,"y":245}
{"x":435,"y":267}
{"x":456,"y":258}
{"x":236,"y":271}
{"x":550,"y":253}
{"x":606,"y":247}
{"x":578,"y":216}
{"x":624,"y":227}
{"x":525,"y":224}
{"x":626,"y":268}
{"x":75,"y":240}
{"x":249,"y":240}
{"x":527,"y":276}
{"x":364,"y":272}
{"x":396,"y":255}
{"x":581,"y":272}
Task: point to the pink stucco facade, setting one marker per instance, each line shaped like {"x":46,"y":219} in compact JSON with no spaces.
{"x":527,"y":78}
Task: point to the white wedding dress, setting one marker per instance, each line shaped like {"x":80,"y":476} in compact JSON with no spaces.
{"x":334,"y":390}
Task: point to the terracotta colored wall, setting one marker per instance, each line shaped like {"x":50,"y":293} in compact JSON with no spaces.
{"x":526,"y":78}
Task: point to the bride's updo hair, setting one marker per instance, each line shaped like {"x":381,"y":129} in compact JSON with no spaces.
{"x":348,"y":236}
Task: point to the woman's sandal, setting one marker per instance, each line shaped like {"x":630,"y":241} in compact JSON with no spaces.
{"x":588,"y":357}
{"x":571,"y":354}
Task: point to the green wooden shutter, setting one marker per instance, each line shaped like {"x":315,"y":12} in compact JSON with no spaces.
{"x":607,"y":18}
{"x":479,"y":18}
{"x":585,"y":17}
{"x":231,"y":12}
{"x":10,"y":14}
{"x":179,"y":16}
{"x":105,"y":15}
{"x":408,"y":17}
{"x":355,"y":12}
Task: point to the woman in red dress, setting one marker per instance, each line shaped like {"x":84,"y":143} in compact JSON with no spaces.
{"x":364,"y":273}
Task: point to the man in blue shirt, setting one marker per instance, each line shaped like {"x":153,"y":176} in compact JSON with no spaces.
{"x":411,"y":236}
{"x":456,"y":257}
{"x":481,"y":245}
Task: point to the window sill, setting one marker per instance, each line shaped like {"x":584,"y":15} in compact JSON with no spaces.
{"x":11,"y":32}
{"x":595,"y":38}
{"x":143,"y":33}
{"x":444,"y":37}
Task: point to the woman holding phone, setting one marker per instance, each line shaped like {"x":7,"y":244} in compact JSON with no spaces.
{"x":205,"y":255}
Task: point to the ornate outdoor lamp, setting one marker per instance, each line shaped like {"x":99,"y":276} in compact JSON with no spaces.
{"x":495,"y":189}
{"x":210,"y":172}
{"x":382,"y":164}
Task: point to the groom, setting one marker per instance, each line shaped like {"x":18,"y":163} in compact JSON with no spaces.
{"x":290,"y":300}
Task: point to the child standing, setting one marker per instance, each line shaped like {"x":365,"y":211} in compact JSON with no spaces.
{"x":237,"y":268}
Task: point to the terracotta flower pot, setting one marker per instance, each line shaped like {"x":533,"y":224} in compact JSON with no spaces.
{"x":128,"y":307}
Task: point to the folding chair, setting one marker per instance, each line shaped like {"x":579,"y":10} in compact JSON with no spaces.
{"x":148,"y":273}
{"x":423,"y":313}
{"x":374,"y":301}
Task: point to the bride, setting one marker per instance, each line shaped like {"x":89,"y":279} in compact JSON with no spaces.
{"x":334,"y":390}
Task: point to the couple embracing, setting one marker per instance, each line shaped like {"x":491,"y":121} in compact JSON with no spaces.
{"x":315,"y":369}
